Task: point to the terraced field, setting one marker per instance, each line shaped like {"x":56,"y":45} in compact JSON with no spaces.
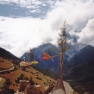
{"x":29,"y":72}
{"x":5,"y":64}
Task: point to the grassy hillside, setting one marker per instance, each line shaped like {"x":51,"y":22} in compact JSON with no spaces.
{"x":5,"y":64}
{"x":11,"y":78}
{"x":29,"y":72}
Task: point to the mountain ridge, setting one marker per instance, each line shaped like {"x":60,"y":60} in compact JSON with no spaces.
{"x":81,"y":69}
{"x":8,"y":55}
{"x":77,"y":72}
{"x":49,"y":64}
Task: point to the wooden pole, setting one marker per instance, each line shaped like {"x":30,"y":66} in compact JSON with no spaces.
{"x":61,"y":71}
{"x":61,"y":64}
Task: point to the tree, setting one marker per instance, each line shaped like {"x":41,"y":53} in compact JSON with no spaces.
{"x":62,"y":42}
{"x":31,"y":53}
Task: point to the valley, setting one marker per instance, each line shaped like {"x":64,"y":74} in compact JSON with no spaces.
{"x":78,"y":71}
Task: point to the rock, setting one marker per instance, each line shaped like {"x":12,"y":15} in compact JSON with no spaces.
{"x":68,"y":88}
{"x":62,"y":88}
{"x":58,"y":91}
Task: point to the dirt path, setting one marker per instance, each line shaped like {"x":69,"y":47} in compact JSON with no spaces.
{"x":8,"y":69}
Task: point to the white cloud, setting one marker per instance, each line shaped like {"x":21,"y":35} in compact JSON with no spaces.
{"x":23,"y":3}
{"x":9,"y":1}
{"x":87,"y":34}
{"x":24,"y":33}
{"x":77,"y":15}
{"x":75,"y":12}
{"x":20,"y":34}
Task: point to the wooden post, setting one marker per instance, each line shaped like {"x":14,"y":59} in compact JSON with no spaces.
{"x":61,"y":64}
{"x":61,"y":71}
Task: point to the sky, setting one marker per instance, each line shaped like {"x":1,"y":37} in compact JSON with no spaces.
{"x":26,"y":24}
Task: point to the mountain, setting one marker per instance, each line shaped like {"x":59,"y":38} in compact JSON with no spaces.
{"x":13,"y":78}
{"x":38,"y":54}
{"x":80,"y":69}
{"x":7,"y":55}
{"x":52,"y":65}
{"x":83,"y":60}
{"x":11,"y":73}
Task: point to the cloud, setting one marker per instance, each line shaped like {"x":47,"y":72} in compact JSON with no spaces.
{"x":27,"y":3}
{"x":87,"y":34}
{"x":76,"y":13}
{"x":21,"y":34}
{"x":24,"y":33}
{"x":23,"y":8}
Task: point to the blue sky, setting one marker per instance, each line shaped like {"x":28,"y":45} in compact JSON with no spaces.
{"x":26,"y":24}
